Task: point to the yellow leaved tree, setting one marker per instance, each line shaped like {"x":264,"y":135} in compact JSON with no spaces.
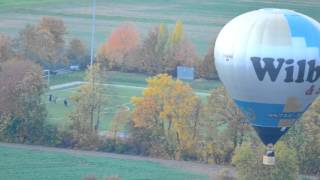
{"x":170,"y":108}
{"x":88,"y":102}
{"x":177,"y":33}
{"x":180,"y":51}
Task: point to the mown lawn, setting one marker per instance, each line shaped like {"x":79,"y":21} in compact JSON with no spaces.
{"x":114,"y":77}
{"x":66,"y":78}
{"x":17,"y":164}
{"x":117,"y":97}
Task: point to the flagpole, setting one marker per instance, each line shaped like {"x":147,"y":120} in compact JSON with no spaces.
{"x":93,"y":29}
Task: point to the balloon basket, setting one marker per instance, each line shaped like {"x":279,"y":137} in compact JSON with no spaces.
{"x":270,"y":161}
{"x":269,"y":157}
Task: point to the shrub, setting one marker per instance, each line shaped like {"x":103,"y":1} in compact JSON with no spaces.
{"x":112,"y":178}
{"x":90,"y":177}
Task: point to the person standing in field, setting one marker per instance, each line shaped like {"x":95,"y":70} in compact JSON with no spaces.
{"x":65,"y":102}
{"x":50,"y":97}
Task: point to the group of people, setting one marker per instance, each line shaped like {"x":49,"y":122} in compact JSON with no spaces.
{"x":54,"y":99}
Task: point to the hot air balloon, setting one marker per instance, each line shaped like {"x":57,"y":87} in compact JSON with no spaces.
{"x":269,"y":62}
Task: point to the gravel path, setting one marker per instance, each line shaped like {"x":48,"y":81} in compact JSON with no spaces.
{"x":65,"y":85}
{"x":76,"y":83}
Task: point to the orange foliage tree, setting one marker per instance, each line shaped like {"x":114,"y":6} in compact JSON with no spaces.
{"x":120,"y":44}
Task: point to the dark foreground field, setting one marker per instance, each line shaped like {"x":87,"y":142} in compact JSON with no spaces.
{"x":36,"y":162}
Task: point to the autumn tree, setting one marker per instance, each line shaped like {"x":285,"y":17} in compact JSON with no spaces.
{"x":305,"y":138}
{"x":55,"y":27}
{"x":22,"y":112}
{"x":248,"y":162}
{"x":168,"y":108}
{"x":44,"y":42}
{"x":119,"y":120}
{"x":154,"y":49}
{"x":177,"y":34}
{"x":77,"y":53}
{"x":223,"y":127}
{"x":311,"y":160}
{"x":180,"y":50}
{"x":162,"y":51}
{"x":206,"y":67}
{"x":6,"y":51}
{"x":227,"y":113}
{"x":185,"y":53}
{"x":162,"y":38}
{"x":122,"y":42}
{"x":89,"y":101}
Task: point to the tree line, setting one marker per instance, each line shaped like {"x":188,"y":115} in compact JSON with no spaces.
{"x":161,"y":51}
{"x":44,"y":44}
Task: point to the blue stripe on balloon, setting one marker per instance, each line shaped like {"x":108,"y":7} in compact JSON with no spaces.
{"x":263,"y":114}
{"x":303,"y":27}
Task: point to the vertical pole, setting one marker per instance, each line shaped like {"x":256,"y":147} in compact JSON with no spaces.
{"x":49,"y":78}
{"x":93,"y":29}
{"x":91,"y":81}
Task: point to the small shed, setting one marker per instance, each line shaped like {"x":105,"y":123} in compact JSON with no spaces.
{"x":185,"y":73}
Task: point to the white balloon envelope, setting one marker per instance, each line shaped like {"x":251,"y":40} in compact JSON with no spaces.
{"x":269,"y":62}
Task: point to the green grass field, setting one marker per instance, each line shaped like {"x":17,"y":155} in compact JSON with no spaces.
{"x":116,"y":97}
{"x":17,"y":164}
{"x":122,"y":87}
{"x":202,"y":19}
